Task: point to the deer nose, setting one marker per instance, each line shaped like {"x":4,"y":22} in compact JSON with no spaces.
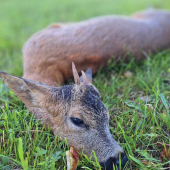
{"x":119,"y":165}
{"x":122,"y":163}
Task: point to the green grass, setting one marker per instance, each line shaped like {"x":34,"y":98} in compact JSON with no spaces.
{"x":138,"y":127}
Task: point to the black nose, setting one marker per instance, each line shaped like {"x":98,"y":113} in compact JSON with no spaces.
{"x":119,"y":163}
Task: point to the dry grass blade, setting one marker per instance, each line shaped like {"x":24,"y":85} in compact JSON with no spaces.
{"x":72,"y":158}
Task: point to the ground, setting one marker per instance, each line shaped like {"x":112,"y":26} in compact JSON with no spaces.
{"x":136,"y":93}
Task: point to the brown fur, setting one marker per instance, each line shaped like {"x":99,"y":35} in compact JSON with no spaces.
{"x":90,"y":44}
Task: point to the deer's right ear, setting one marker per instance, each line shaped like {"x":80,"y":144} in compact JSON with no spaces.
{"x":30,"y":92}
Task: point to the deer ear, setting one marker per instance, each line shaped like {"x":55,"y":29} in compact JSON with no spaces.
{"x":86,"y":77}
{"x":30,"y":92}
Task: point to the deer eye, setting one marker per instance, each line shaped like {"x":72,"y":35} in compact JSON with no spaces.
{"x":77,"y":122}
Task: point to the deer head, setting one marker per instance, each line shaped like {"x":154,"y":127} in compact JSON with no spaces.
{"x":76,"y":112}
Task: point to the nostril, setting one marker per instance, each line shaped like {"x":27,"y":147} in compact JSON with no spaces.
{"x":122,"y":162}
{"x":120,"y":157}
{"x":108,"y":165}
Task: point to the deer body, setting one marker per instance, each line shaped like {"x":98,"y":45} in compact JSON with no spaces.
{"x":90,"y":44}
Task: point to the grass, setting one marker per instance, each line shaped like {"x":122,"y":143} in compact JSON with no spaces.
{"x":138,"y":104}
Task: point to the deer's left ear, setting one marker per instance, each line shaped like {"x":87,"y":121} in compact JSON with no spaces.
{"x":30,"y":92}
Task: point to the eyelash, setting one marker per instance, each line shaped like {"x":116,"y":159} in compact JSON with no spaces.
{"x":78,"y":122}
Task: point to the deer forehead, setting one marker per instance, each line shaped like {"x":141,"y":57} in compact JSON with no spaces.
{"x":81,"y":101}
{"x":88,"y":105}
